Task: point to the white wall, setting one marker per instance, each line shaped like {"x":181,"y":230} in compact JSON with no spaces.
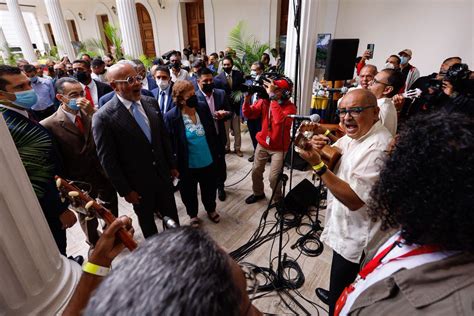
{"x":432,"y":29}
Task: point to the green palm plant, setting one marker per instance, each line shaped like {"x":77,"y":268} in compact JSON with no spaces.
{"x":34,"y":147}
{"x":111,"y":32}
{"x":93,"y":47}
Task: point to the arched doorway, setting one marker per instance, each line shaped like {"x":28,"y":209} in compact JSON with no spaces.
{"x":146,"y":31}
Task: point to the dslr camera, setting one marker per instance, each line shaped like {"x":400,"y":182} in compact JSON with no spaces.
{"x":458,"y":75}
{"x":256,"y":83}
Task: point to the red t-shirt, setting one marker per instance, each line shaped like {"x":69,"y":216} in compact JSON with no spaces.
{"x":273,"y":121}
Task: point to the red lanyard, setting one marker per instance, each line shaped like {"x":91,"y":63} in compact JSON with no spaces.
{"x":375,"y":262}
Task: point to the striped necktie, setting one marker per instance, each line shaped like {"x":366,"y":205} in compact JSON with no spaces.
{"x":141,"y":121}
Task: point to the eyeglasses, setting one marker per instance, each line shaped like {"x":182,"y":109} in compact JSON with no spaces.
{"x":131,"y":80}
{"x":376,"y":81}
{"x":354,"y":112}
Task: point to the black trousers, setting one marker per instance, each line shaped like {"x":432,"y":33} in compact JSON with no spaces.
{"x":343,"y":273}
{"x":161,"y":201}
{"x":254,"y":127}
{"x":221,"y":172}
{"x":206,"y":177}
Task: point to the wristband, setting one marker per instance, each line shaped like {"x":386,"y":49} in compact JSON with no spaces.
{"x":95,"y":269}
{"x":319,"y":166}
{"x":327,"y":132}
{"x":321,"y":171}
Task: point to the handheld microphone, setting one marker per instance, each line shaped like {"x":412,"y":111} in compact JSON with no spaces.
{"x":313,"y":117}
{"x":340,"y":90}
{"x":169,"y":223}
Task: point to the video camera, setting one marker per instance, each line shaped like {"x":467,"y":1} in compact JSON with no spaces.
{"x":458,"y":75}
{"x":257,"y":83}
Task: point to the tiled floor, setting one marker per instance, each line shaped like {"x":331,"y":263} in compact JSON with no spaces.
{"x":238,"y":222}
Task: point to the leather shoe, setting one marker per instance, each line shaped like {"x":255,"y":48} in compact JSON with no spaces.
{"x":251,"y":158}
{"x":221,"y":194}
{"x":78,"y":259}
{"x":323,"y":295}
{"x":254,"y":198}
{"x":239,"y":153}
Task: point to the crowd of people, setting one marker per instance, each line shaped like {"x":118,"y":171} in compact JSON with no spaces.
{"x":399,"y":200}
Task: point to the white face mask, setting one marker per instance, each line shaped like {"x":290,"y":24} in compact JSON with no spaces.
{"x":389,"y":66}
{"x":253,"y":73}
{"x":162,"y":84}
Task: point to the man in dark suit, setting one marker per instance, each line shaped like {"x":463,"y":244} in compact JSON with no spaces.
{"x":134,"y":149}
{"x":218,"y":103}
{"x":109,"y":96}
{"x":231,"y":80}
{"x":163,"y":92}
{"x":70,"y":126}
{"x":93,"y":89}
{"x":18,"y":97}
{"x":148,"y":83}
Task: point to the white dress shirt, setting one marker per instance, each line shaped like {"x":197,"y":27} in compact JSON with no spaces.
{"x":93,"y":88}
{"x":145,"y":83}
{"x":388,"y":114}
{"x":128,"y":105}
{"x":349,"y":232}
{"x":182,"y":75}
{"x":70,"y":116}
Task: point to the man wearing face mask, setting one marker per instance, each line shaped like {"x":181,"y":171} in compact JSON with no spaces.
{"x":71,"y":129}
{"x":98,"y":70}
{"x":231,"y":80}
{"x":410,"y":72}
{"x":44,"y":90}
{"x":93,"y":89}
{"x":176,"y":72}
{"x":16,"y":98}
{"x":148,"y":82}
{"x":163,"y":93}
{"x":134,"y":149}
{"x":392,"y":62}
{"x":218,"y":103}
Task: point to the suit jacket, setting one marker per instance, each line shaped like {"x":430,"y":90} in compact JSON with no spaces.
{"x":107,"y":97}
{"x":102,"y":89}
{"x":176,"y":129}
{"x":220,"y":82}
{"x":50,"y":201}
{"x":221,"y":102}
{"x":151,"y":83}
{"x":79,"y":156}
{"x":130,"y":161}
{"x":170,"y":104}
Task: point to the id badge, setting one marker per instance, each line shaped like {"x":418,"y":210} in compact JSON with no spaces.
{"x":267,"y":140}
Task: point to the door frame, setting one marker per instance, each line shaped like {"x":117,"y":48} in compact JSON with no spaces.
{"x":154,"y":25}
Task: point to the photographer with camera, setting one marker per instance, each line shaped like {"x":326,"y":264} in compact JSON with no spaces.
{"x":175,"y":66}
{"x":459,"y":88}
{"x":274,"y":137}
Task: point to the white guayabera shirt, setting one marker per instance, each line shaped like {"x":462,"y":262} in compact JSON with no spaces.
{"x":388,"y":114}
{"x":349,"y":232}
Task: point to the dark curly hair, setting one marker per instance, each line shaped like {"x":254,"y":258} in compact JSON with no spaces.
{"x":427,"y":185}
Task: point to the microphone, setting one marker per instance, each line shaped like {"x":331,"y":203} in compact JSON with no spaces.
{"x":169,"y":223}
{"x":341,"y":90}
{"x":313,"y":117}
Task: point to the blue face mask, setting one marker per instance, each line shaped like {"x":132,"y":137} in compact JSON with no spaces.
{"x":73,"y":105}
{"x":26,"y":99}
{"x":403,"y":60}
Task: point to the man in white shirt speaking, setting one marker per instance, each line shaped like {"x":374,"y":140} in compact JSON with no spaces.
{"x":348,"y":229}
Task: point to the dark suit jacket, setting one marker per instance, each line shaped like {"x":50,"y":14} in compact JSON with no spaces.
{"x":79,"y":156}
{"x":151,"y":83}
{"x":106,"y":98}
{"x":175,"y":126}
{"x":170,"y":103}
{"x":221,"y":102}
{"x":130,"y":161}
{"x":102,"y":89}
{"x":220,"y":82}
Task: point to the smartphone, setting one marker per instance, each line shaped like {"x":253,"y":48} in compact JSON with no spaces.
{"x":370,"y":47}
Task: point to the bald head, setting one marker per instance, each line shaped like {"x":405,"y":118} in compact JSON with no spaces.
{"x":366,"y":75}
{"x":120,"y":71}
{"x":118,"y":75}
{"x":359,"y":112}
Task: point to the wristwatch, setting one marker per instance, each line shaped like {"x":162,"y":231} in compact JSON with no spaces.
{"x":320,"y":168}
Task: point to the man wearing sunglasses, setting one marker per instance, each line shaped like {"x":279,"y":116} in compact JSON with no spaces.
{"x":349,"y":230}
{"x":134,"y":148}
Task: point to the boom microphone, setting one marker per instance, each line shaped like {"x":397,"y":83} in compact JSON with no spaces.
{"x":313,"y":117}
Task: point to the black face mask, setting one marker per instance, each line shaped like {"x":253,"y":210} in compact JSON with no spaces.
{"x":227,"y":69}
{"x":59,"y":73}
{"x":192,"y":102}
{"x":70,"y":72}
{"x":176,"y":65}
{"x":207,"y":87}
{"x":82,"y":77}
{"x":51,"y":69}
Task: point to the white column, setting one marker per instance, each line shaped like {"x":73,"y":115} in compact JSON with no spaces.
{"x":35,"y":279}
{"x":129,"y":28}
{"x":308,"y":37}
{"x":209,"y":26}
{"x":4,"y":47}
{"x":60,"y":29}
{"x":22,"y":33}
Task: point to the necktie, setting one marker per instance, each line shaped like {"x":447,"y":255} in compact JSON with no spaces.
{"x":162,"y":102}
{"x":229,"y":80}
{"x":89,"y":95}
{"x":79,"y":124}
{"x":141,"y":121}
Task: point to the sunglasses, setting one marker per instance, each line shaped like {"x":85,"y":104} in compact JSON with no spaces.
{"x":130,"y":80}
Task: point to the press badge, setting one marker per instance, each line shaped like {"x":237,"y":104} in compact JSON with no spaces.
{"x":267,"y":140}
